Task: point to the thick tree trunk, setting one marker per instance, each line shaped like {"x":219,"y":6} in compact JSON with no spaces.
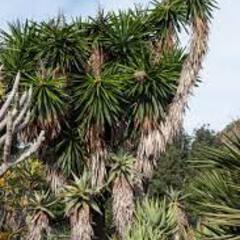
{"x":80,"y":220}
{"x":39,"y":227}
{"x":97,"y":166}
{"x":123,"y":205}
{"x":97,"y":156}
{"x":188,"y":77}
{"x":153,"y":144}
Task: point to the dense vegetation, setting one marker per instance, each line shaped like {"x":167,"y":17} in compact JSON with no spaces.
{"x":110,"y":92}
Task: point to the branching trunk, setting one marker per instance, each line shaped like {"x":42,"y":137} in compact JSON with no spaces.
{"x":153,"y":144}
{"x":14,"y":116}
{"x":187,"y":81}
{"x":96,"y":144}
{"x":80,"y":220}
{"x":123,"y":205}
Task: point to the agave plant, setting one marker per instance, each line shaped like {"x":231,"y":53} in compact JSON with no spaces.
{"x":79,"y":200}
{"x":40,"y":205}
{"x":122,"y":176}
{"x":183,"y":229}
{"x":161,"y":219}
{"x":152,"y":221}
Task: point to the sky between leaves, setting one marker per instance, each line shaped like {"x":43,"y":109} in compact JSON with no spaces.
{"x":216,"y":101}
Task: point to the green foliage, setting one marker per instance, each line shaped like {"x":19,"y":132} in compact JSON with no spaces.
{"x":70,"y":151}
{"x":153,"y":221}
{"x":174,"y":169}
{"x":98,"y":99}
{"x":215,"y":191}
{"x":160,"y":219}
{"x":122,"y":166}
{"x":19,"y":183}
{"x":169,"y":14}
{"x":49,"y":101}
{"x":204,"y":137}
{"x":17,"y":53}
{"x":124,"y":36}
{"x":42,"y":202}
{"x":60,"y":45}
{"x":201,"y":8}
{"x":79,"y":193}
{"x":151,"y":86}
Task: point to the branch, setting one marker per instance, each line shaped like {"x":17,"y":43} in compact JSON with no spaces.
{"x":20,"y":117}
{"x":8,"y":142}
{"x":24,"y":110}
{"x":10,"y":97}
{"x":25,"y":155}
{"x":187,"y":80}
{"x":3,"y":123}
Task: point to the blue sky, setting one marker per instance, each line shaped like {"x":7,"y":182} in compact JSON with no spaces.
{"x":216,"y":101}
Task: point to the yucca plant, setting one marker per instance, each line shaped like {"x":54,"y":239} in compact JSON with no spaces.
{"x":168,"y":19}
{"x":215,"y":191}
{"x":70,"y":151}
{"x":79,"y":200}
{"x":199,"y":14}
{"x":48,"y":111}
{"x":151,"y":87}
{"x":48,"y":103}
{"x":124,"y":36}
{"x":40,"y":205}
{"x":61,"y":45}
{"x":122,"y":177}
{"x":97,"y":99}
{"x":96,"y":26}
{"x":17,"y":49}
